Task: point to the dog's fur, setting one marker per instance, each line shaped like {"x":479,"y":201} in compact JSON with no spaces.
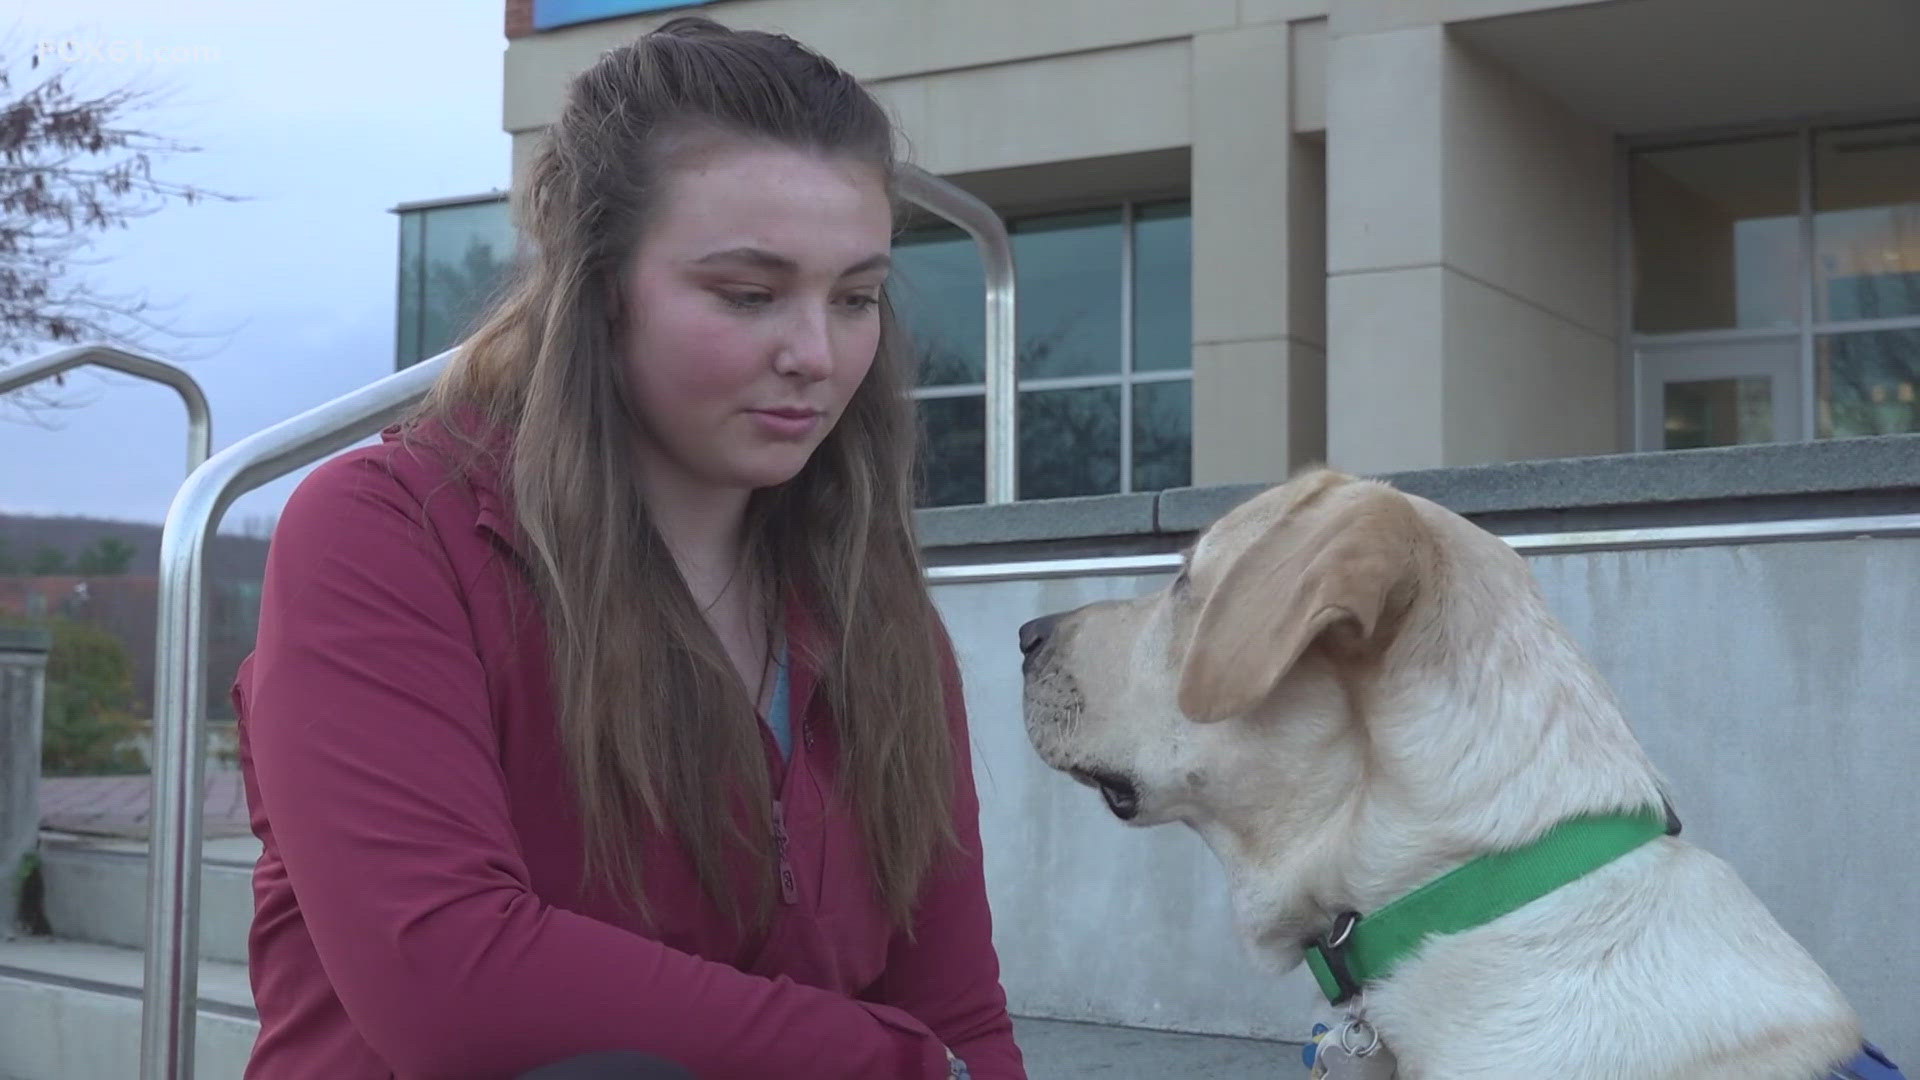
{"x":1349,"y":691}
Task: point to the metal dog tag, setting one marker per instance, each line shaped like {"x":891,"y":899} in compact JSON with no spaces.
{"x":1340,"y":1065}
{"x":1353,"y":1051}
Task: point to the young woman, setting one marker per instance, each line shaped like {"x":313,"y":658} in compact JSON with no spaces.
{"x":601,"y":707}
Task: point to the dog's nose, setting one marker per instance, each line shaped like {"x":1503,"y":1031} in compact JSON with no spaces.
{"x":1035,"y":634}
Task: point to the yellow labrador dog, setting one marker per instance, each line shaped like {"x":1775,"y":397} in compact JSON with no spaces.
{"x":1350,"y":692}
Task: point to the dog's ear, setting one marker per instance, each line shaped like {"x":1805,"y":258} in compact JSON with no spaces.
{"x":1340,"y":561}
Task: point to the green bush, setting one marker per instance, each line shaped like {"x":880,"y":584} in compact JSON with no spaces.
{"x":89,"y":701}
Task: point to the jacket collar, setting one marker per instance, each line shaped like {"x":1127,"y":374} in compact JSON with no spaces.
{"x":488,"y":477}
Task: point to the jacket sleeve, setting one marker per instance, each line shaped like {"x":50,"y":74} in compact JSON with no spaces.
{"x":372,"y":742}
{"x":947,"y":974}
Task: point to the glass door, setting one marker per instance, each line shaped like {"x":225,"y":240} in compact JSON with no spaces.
{"x":1720,"y":393}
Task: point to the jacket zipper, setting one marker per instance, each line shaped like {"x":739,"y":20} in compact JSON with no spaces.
{"x":789,"y":888}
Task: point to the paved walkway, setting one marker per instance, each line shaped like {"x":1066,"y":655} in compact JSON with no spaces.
{"x":1056,"y":1050}
{"x":121,"y":806}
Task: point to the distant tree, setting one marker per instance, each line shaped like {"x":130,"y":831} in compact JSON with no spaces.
{"x":1163,"y":444}
{"x":952,"y":464}
{"x":72,"y":166}
{"x":458,"y":292}
{"x":89,"y":722}
{"x":9,"y":565}
{"x":46,"y":562}
{"x":257,"y":526}
{"x":1069,"y":440}
{"x":1069,"y":443}
{"x":1873,"y":379}
{"x":108,"y":556}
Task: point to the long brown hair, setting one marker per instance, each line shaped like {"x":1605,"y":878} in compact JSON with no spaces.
{"x":655,"y":721}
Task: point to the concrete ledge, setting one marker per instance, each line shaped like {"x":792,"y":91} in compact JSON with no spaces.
{"x":1185,"y":510}
{"x":1880,"y":474}
{"x":98,"y":894}
{"x":25,"y":639}
{"x":1737,"y":472}
{"x":1044,"y":519}
{"x":71,"y":1009}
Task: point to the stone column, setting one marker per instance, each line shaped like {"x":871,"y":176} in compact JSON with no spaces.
{"x":1470,"y":228}
{"x":1259,"y":331}
{"x":23,"y":702}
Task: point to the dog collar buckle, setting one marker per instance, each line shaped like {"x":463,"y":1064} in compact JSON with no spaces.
{"x":1673,"y":816}
{"x":1328,"y":959}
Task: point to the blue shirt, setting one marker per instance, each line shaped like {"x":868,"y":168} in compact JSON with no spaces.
{"x":778,"y":706}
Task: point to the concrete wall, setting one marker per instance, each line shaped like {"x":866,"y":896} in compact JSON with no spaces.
{"x":1774,"y":686}
{"x":1095,"y":921}
{"x":1080,"y":78}
{"x":1038,"y":110}
{"x":1683,"y":249}
{"x":1771,"y":683}
{"x":1471,"y":251}
{"x":1374,"y":16}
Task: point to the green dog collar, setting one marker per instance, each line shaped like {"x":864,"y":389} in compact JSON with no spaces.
{"x":1360,"y":950}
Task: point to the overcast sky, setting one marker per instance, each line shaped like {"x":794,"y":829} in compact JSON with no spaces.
{"x":324,"y":117}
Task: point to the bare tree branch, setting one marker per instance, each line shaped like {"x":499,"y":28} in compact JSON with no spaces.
{"x":74,"y":164}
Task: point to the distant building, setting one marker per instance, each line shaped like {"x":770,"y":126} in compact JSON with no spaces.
{"x":453,"y":254}
{"x":127,"y":607}
{"x":1391,"y":234}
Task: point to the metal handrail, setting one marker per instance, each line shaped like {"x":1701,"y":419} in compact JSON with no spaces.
{"x":171,"y":989}
{"x":199,"y":417}
{"x":1002,"y":340}
{"x":1626,"y":539}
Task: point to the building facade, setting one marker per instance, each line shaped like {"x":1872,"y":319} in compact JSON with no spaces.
{"x":1385,"y":234}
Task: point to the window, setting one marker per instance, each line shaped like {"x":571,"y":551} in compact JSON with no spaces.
{"x":1777,"y":287}
{"x":454,"y":255}
{"x":1104,"y":370}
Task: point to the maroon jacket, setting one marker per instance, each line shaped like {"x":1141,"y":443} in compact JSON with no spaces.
{"x":417,"y":907}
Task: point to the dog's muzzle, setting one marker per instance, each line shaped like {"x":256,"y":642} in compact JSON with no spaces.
{"x":1063,"y":704}
{"x":1034,"y":637}
{"x":1122,"y":797}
